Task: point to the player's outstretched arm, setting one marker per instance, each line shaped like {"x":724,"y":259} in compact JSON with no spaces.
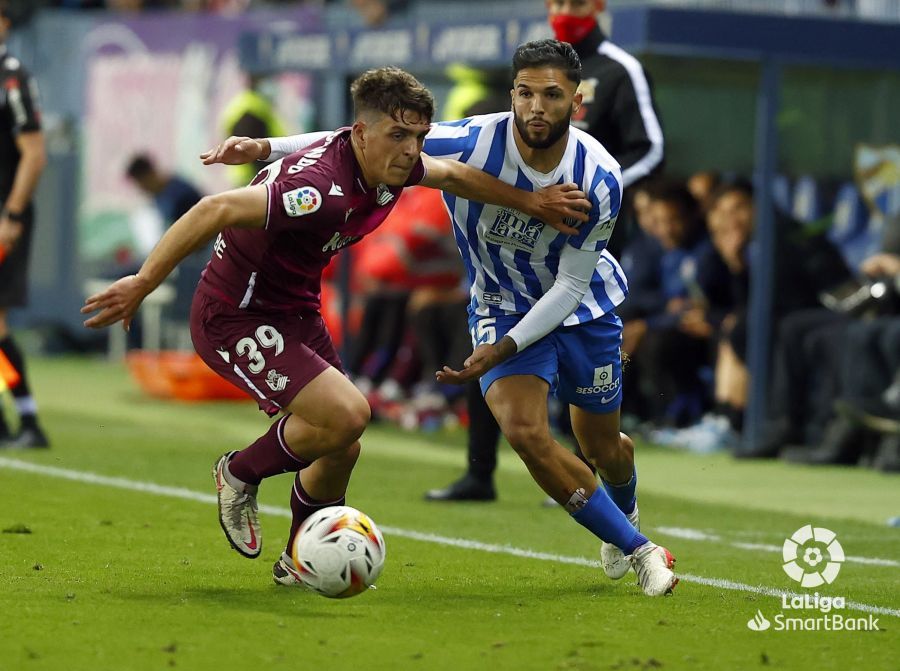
{"x":241,"y":208}
{"x":552,"y":205}
{"x":237,"y":151}
{"x":240,"y":150}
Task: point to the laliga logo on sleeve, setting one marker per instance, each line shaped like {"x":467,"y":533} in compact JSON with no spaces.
{"x":804,"y":555}
{"x":304,"y":200}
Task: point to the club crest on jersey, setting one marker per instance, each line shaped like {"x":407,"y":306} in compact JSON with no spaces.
{"x":383,"y":195}
{"x":511,"y":230}
{"x":277,"y":381}
{"x":302,"y":201}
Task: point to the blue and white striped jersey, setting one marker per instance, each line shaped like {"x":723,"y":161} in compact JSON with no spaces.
{"x":512,"y":259}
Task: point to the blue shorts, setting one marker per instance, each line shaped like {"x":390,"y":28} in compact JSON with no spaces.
{"x":582,"y":363}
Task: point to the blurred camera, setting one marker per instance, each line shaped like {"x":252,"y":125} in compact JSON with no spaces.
{"x":879,"y":296}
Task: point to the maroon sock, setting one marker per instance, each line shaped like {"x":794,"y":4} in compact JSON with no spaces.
{"x":303,"y":505}
{"x":266,"y":457}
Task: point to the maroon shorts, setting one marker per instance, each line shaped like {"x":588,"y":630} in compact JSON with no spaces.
{"x":271,"y":356}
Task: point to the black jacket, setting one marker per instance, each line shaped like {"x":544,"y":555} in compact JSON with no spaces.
{"x":618,"y":108}
{"x":805,"y":264}
{"x":19,"y":113}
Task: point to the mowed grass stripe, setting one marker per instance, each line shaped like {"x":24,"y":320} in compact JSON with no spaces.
{"x":187,"y":494}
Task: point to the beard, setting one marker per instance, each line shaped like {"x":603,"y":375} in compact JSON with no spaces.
{"x":554,"y":133}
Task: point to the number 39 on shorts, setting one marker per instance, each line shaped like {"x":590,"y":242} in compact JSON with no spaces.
{"x":485,"y":332}
{"x":268,"y":337}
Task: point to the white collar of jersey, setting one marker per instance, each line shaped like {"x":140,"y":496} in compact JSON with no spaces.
{"x":543,"y":179}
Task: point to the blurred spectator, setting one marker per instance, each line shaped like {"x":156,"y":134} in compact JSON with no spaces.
{"x":869,"y":402}
{"x":864,"y":363}
{"x":172,"y":196}
{"x":642,"y":262}
{"x":672,"y":344}
{"x":805,"y":264}
{"x":702,"y":186}
{"x":409,"y":272}
{"x":251,"y":114}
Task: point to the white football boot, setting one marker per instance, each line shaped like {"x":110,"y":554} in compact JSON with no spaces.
{"x":285,"y":573}
{"x":615,"y":563}
{"x":653,"y":565}
{"x":237,"y":510}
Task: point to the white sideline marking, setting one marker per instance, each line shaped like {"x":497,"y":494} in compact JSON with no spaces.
{"x":190,"y":495}
{"x":688,"y":534}
{"x":698,"y":535}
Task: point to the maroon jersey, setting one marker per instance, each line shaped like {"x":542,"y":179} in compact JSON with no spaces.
{"x":318,"y":204}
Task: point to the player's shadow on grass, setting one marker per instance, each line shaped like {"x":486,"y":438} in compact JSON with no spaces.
{"x":274,"y":600}
{"x":463,"y":597}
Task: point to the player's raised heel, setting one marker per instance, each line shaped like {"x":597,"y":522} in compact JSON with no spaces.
{"x":653,"y":565}
{"x":237,"y":511}
{"x":284,"y":573}
{"x":614,"y":562}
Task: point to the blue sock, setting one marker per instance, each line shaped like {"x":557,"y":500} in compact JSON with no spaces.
{"x":603,"y":518}
{"x":623,"y":495}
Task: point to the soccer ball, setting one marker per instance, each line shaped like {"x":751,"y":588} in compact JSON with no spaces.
{"x":338,"y":552}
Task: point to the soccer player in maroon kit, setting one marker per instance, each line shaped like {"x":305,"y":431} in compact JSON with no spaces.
{"x":255,"y":318}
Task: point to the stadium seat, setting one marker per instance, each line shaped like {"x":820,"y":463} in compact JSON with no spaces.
{"x":151,"y":316}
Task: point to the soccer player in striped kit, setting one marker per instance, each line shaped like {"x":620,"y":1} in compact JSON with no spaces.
{"x":542,"y":304}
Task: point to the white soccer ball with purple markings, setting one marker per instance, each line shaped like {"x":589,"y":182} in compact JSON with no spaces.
{"x":338,"y":552}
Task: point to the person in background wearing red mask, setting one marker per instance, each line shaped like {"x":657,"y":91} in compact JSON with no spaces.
{"x":618,"y":110}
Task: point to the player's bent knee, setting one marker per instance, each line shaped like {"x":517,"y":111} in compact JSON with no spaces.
{"x":526,"y":437}
{"x":349,"y":422}
{"x":357,"y":418}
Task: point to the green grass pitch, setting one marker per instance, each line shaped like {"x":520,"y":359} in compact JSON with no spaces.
{"x":117,"y":575}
